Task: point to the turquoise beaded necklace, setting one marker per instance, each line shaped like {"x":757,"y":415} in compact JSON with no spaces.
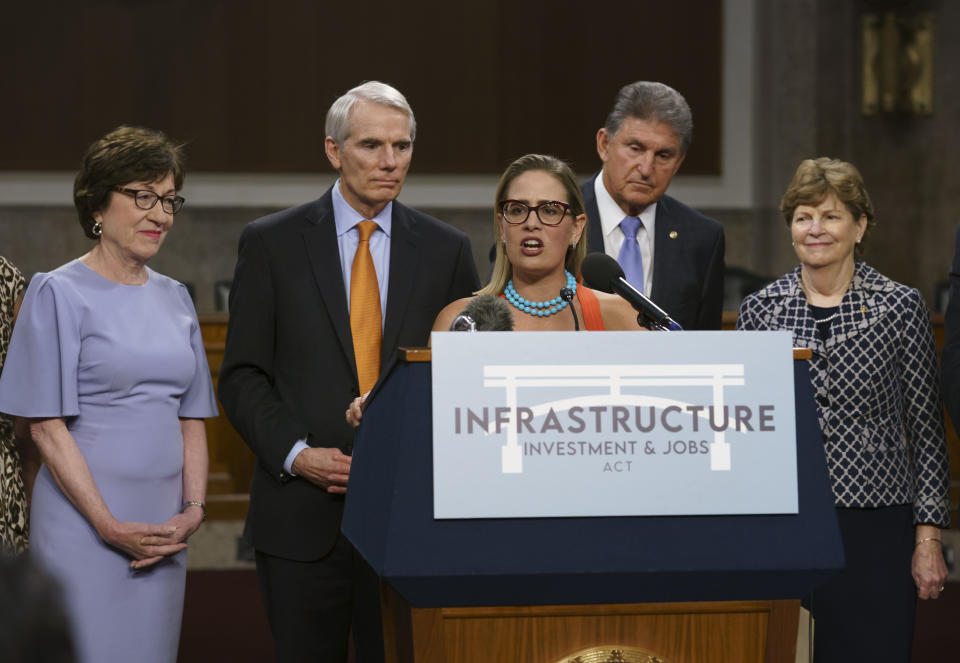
{"x":541,"y":309}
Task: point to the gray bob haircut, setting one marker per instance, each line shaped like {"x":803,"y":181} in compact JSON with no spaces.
{"x":652,"y":102}
{"x":338,"y":117}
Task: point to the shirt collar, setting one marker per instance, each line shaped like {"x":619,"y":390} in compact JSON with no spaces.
{"x":610,"y":213}
{"x":346,"y":217}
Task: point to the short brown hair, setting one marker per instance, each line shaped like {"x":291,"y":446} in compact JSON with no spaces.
{"x":816,"y":179}
{"x":126,"y":154}
{"x":502,"y":268}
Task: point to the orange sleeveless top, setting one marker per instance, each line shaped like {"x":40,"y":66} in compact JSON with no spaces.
{"x":592,"y":320}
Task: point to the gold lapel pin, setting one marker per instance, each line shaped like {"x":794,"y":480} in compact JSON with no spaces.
{"x":673,"y":234}
{"x":864,"y":309}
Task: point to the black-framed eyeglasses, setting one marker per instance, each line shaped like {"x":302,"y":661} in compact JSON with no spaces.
{"x":147,"y":199}
{"x":550,"y":213}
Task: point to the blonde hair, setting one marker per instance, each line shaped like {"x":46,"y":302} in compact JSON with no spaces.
{"x":338,"y":116}
{"x":502,"y":268}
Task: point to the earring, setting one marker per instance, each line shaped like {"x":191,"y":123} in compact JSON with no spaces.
{"x":97,"y":229}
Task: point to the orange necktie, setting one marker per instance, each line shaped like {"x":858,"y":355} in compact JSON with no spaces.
{"x":365,"y":314}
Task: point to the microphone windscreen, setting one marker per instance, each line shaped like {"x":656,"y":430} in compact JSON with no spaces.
{"x":599,"y":270}
{"x":490,"y":313}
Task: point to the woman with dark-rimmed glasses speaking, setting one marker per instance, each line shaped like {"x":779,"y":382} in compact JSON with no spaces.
{"x":540,"y":229}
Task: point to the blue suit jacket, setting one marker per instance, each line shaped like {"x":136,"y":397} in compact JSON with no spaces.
{"x":688,"y":260}
{"x":950,"y":362}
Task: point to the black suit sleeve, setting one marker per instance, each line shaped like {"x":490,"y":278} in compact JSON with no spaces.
{"x":710,"y":315}
{"x":950,"y":364}
{"x":246,"y":384}
{"x":465,"y":280}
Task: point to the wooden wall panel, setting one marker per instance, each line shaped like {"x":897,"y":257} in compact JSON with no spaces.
{"x":677,"y":632}
{"x":247,"y":83}
{"x":231,"y":461}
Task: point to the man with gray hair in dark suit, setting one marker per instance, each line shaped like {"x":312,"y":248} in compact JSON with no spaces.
{"x":322,"y":295}
{"x":668,"y":251}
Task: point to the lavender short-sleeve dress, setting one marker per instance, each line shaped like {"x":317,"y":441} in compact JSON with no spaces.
{"x":120,"y":364}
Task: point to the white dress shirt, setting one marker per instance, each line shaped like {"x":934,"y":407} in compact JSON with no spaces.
{"x":610,"y":217}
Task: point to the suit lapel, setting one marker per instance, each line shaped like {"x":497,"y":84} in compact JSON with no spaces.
{"x":861,"y":306}
{"x":803,"y":324}
{"x":594,"y":227}
{"x":403,"y":275}
{"x":665,"y":252}
{"x":320,"y":238}
{"x":789,"y":312}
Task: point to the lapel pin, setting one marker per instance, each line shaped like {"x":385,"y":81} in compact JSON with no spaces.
{"x":864,"y":309}
{"x":673,"y":234}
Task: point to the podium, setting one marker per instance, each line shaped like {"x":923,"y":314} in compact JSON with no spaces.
{"x":672,"y":589}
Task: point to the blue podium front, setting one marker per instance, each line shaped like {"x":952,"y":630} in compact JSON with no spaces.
{"x":549,"y":561}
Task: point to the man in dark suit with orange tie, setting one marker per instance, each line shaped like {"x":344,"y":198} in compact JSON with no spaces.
{"x":322,"y":295}
{"x":668,"y":251}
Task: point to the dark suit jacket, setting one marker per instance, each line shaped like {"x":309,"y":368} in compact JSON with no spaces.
{"x":687,"y":268}
{"x":950,"y":362}
{"x":289,"y":369}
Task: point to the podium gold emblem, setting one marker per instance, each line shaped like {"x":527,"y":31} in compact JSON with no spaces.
{"x":612,"y":654}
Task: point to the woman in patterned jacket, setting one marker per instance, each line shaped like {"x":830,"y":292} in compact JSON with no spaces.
{"x":876,"y":383}
{"x":13,"y":497}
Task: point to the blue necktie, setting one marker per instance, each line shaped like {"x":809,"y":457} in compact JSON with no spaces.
{"x":630,"y":258}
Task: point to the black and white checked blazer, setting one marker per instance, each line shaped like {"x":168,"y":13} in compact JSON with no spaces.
{"x":876,"y":383}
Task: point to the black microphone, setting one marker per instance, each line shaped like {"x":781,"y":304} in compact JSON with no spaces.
{"x":566,"y":294}
{"x":602,"y":272}
{"x":484,"y":313}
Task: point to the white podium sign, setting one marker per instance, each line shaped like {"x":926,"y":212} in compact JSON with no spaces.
{"x":613,"y":424}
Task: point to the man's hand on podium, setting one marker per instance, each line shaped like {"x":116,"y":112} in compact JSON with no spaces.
{"x":355,"y":410}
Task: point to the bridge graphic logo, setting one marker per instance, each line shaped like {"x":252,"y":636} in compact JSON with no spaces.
{"x":618,"y":381}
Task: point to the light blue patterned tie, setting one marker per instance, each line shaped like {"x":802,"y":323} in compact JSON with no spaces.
{"x":630,"y":258}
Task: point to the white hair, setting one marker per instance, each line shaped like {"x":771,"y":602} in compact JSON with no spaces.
{"x":338,"y":117}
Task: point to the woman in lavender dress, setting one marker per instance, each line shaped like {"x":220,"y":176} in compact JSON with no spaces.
{"x":107,"y":362}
